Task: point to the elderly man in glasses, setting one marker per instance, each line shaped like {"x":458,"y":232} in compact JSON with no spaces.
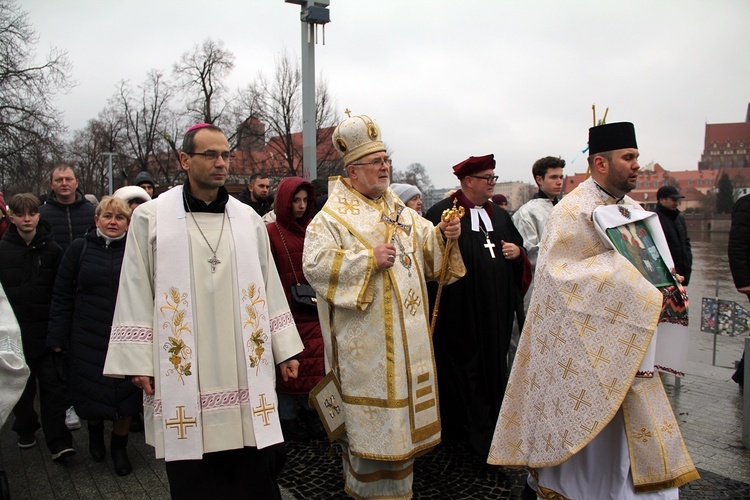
{"x":368,"y":256}
{"x":473,"y":330}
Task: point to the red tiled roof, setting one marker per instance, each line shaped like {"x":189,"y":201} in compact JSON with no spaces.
{"x":271,"y":159}
{"x":721,"y":133}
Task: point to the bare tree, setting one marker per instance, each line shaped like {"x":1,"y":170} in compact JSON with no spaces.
{"x":86,"y":151}
{"x":200,"y":73}
{"x":416,"y":175}
{"x":277,"y":103}
{"x":29,"y":124}
{"x":330,"y":163}
{"x":146,"y":114}
{"x":30,"y":170}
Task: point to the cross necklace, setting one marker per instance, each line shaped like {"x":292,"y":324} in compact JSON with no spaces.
{"x":488,"y":245}
{"x":213,"y":260}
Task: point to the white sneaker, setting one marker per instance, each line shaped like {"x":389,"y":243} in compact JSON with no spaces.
{"x":72,"y":421}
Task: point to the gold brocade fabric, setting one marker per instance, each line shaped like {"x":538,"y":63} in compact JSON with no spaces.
{"x":591,"y":318}
{"x":375,"y":323}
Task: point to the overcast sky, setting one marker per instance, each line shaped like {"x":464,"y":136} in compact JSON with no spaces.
{"x":447,"y":79}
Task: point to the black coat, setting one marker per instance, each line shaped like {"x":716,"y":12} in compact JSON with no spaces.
{"x":261,"y":207}
{"x":68,"y":221}
{"x":83,"y":304}
{"x":738,"y":247}
{"x":27,"y":273}
{"x":675,"y":230}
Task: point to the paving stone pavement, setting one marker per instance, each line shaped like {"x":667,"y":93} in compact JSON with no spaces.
{"x":708,"y":406}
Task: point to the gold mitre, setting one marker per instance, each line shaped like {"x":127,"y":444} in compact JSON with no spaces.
{"x":357,"y":137}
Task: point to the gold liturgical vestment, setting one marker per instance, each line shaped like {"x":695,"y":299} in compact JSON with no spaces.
{"x":375,"y":323}
{"x":591,"y":318}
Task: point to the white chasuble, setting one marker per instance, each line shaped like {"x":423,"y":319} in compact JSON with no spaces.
{"x":590,"y":323}
{"x":375,"y":324}
{"x":218,"y":333}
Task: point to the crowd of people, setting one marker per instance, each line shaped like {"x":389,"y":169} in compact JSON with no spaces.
{"x":234,"y":317}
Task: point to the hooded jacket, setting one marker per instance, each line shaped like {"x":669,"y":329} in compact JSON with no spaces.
{"x":27,"y":273}
{"x":312,"y":366}
{"x":69,"y":221}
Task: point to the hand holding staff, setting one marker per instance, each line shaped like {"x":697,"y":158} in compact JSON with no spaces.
{"x":449,"y":215}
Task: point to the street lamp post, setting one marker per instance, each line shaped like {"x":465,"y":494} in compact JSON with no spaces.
{"x":111,"y":176}
{"x":312,"y":13}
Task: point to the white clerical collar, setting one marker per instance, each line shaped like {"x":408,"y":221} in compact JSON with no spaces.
{"x":476,"y":214}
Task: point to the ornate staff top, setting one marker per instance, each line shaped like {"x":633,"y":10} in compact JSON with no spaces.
{"x":450,"y":214}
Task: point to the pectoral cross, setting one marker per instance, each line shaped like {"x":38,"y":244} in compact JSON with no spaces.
{"x":393,"y":223}
{"x":213,"y":261}
{"x":489,"y":246}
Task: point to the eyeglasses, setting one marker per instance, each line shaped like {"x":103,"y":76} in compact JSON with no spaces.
{"x":383,"y":160}
{"x":213,"y":155}
{"x":489,"y":178}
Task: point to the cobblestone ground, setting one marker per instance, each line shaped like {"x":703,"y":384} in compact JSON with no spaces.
{"x":450,"y":472}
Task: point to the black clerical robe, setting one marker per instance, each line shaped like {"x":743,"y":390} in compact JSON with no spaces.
{"x":473,"y":329}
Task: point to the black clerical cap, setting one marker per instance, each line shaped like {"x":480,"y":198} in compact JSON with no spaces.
{"x":611,"y":136}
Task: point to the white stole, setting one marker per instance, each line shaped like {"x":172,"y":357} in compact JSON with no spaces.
{"x":180,"y":396}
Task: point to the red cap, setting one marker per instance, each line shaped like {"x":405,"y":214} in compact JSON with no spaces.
{"x":473,"y":165}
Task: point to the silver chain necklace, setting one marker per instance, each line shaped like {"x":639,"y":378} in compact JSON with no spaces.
{"x":213,"y":260}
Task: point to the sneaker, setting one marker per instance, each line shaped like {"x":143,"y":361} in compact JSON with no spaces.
{"x":64,"y":453}
{"x":26,"y":441}
{"x":72,"y":421}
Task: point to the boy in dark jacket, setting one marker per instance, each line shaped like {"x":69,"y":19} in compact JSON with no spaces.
{"x":29,"y":258}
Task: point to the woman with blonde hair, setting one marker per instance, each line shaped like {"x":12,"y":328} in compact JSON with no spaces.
{"x":83,"y":303}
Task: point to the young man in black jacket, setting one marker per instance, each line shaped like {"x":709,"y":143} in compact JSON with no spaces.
{"x":29,"y":258}
{"x":675,"y":230}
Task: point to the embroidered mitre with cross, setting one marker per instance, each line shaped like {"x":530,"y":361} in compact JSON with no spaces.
{"x":589,"y":325}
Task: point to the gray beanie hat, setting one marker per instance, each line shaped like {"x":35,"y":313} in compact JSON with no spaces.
{"x":144,"y":177}
{"x":405,"y":191}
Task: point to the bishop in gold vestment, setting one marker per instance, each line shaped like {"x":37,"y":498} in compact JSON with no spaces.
{"x":368,"y":257}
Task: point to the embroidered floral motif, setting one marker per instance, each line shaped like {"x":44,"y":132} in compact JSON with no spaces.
{"x":181,"y":354}
{"x":624,"y":211}
{"x":257,"y":337}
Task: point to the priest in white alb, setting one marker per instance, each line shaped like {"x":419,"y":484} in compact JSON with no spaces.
{"x":200,"y":323}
